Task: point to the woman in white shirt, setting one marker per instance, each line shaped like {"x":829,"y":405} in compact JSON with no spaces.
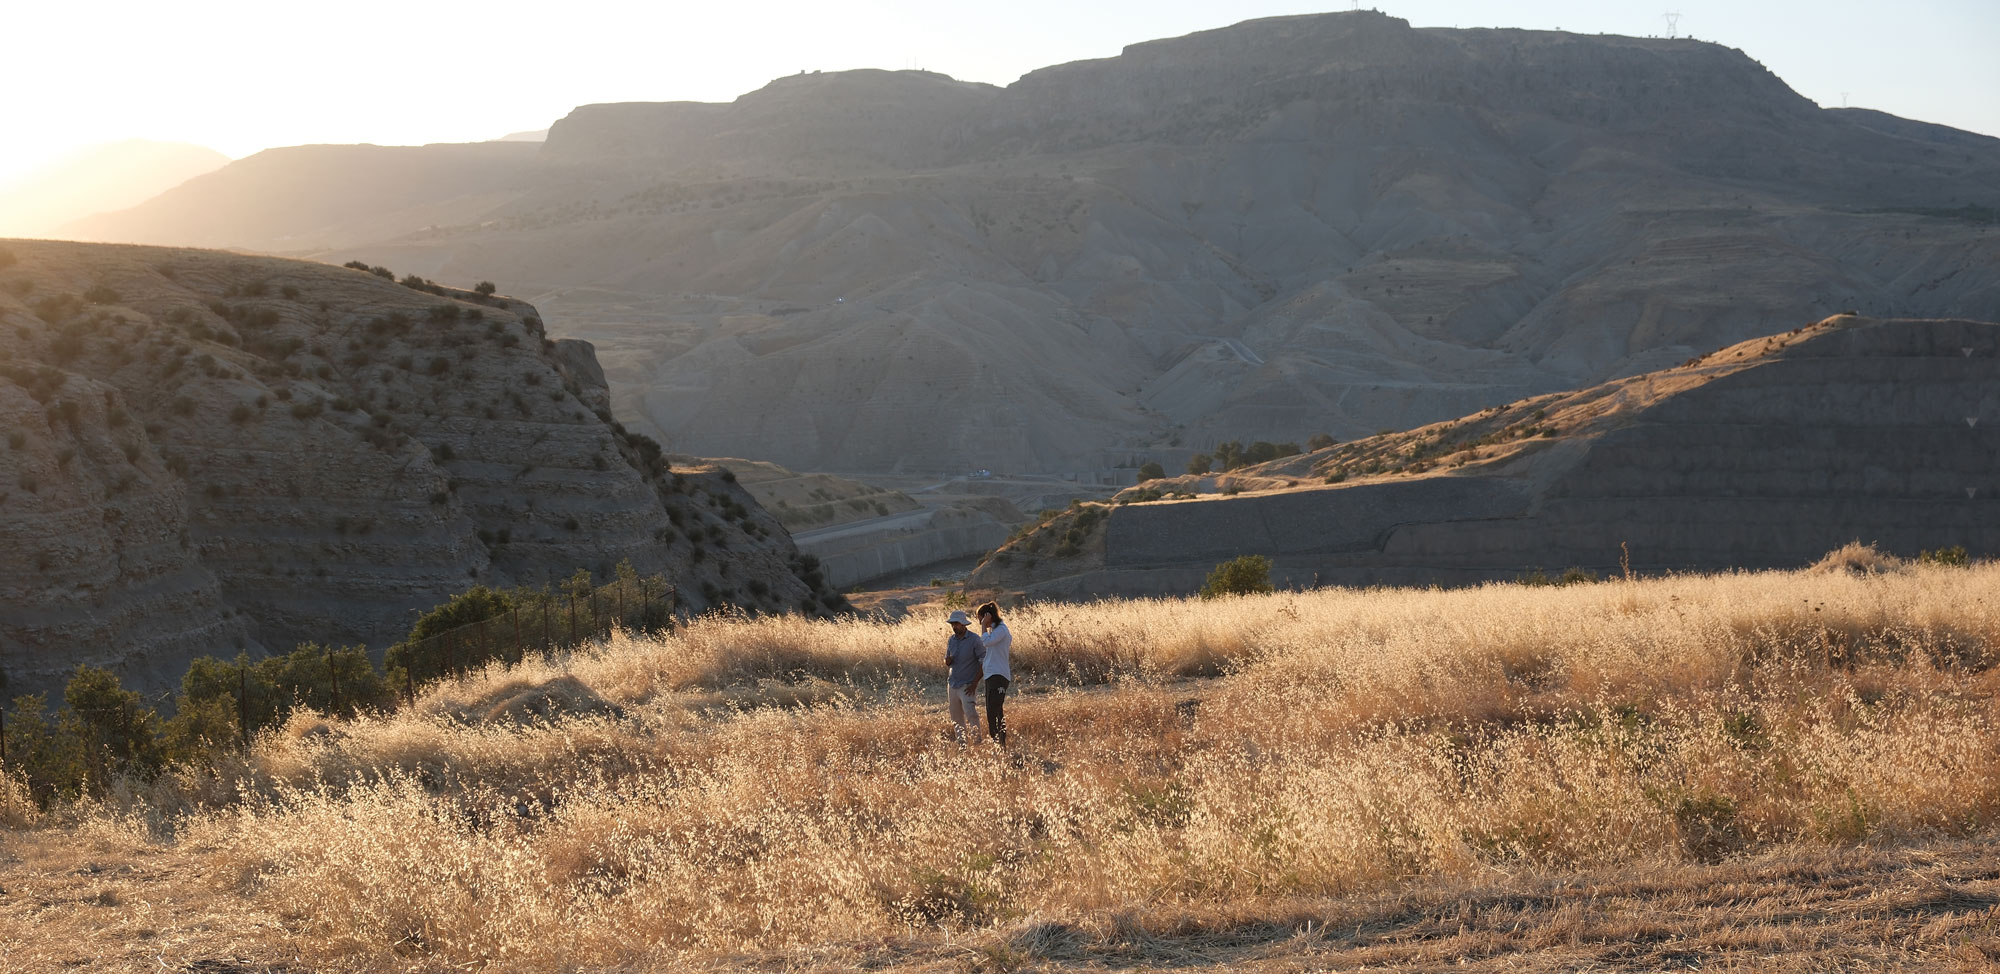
{"x":998,"y":641}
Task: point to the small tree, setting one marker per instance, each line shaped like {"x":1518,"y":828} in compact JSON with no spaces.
{"x":420,"y":658}
{"x":1238,"y":576}
{"x":42,"y":750}
{"x":1200,"y":463}
{"x":120,"y":733}
{"x":1320,"y":441}
{"x":485,"y":289}
{"x":200,"y":730}
{"x":1151,"y":470}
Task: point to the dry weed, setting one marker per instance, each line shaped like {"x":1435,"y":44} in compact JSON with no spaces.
{"x":773,"y":784}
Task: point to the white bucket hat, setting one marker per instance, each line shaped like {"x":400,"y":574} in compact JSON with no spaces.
{"x":958,"y":615}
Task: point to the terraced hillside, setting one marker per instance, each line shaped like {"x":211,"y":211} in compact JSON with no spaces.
{"x":206,"y":452}
{"x":1763,"y":455}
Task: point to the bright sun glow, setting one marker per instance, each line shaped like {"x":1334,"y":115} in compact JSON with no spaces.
{"x":239,"y":76}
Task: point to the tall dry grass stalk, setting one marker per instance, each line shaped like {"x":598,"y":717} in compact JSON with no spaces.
{"x":754,"y":784}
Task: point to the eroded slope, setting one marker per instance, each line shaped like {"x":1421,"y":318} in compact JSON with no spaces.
{"x":207,"y":452}
{"x":1765,"y":454}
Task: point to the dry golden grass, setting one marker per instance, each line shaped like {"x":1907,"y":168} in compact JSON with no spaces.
{"x":1391,"y":777}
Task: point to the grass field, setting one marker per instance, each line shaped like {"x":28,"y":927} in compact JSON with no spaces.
{"x":1774,"y":771}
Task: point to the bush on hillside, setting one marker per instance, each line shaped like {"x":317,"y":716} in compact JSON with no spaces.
{"x":420,"y":657}
{"x":1151,"y":470}
{"x":1245,"y":575}
{"x":1954,"y":557}
{"x":103,"y":730}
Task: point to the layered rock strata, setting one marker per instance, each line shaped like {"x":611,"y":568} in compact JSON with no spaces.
{"x":208,"y":453}
{"x":1764,"y":455}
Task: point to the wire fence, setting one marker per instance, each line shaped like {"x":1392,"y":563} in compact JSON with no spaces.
{"x":538,"y":622}
{"x":541,"y":622}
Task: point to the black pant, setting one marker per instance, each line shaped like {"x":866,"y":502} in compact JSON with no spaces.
{"x":996,"y":713}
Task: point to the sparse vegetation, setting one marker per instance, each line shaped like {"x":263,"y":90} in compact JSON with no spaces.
{"x":1954,"y":556}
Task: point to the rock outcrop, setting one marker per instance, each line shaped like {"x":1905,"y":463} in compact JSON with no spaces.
{"x":1334,"y":223}
{"x":1764,"y":455}
{"x":207,"y":453}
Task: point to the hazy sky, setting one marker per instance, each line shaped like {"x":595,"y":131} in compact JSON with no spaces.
{"x":242,"y":75}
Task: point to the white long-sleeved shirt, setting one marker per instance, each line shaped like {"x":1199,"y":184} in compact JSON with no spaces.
{"x":998,"y":641}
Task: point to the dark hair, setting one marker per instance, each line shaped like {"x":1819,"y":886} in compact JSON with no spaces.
{"x":985,"y":607}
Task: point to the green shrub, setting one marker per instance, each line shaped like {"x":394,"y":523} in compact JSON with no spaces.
{"x":1151,"y":470}
{"x":1954,"y":557}
{"x":1200,"y":463}
{"x":419,"y":657}
{"x":485,"y":289}
{"x":225,"y":703}
{"x":1238,"y":576}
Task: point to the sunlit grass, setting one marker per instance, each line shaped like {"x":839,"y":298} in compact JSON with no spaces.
{"x":761,"y":784}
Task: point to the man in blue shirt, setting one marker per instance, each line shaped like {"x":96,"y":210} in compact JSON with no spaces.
{"x":966,"y":656}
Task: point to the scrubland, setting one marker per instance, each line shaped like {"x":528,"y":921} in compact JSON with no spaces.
{"x":1766,"y":771}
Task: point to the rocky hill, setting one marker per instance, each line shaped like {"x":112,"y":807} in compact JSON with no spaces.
{"x":1764,"y":455}
{"x":1332,"y":223}
{"x":207,"y":453}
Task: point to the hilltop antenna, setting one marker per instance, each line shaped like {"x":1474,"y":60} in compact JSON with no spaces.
{"x":1843,"y":99}
{"x":1673,"y":22}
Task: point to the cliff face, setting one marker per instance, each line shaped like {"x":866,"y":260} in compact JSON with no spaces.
{"x":206,"y":453}
{"x":1764,"y":455}
{"x":1334,"y":223}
